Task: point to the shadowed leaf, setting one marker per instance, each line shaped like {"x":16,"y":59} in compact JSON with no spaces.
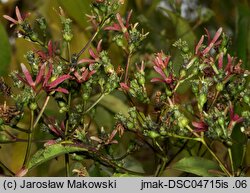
{"x":5,"y":53}
{"x":50,"y":152}
{"x":196,"y":165}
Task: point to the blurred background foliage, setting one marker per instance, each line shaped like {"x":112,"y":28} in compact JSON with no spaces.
{"x":166,"y":20}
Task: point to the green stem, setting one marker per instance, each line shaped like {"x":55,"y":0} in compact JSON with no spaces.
{"x":42,"y":110}
{"x":69,"y":52}
{"x":184,"y":137}
{"x":28,"y":150}
{"x":162,"y":167}
{"x":93,"y":36}
{"x":231,"y":159}
{"x":191,"y":130}
{"x":181,"y":81}
{"x":88,"y":43}
{"x":95,"y":103}
{"x":224,"y":169}
{"x":66,"y":156}
{"x":127,"y":67}
{"x":2,"y":165}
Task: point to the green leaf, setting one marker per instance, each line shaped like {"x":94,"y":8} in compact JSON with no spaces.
{"x":243,"y":31}
{"x":182,"y":28}
{"x":197,"y":165}
{"x":238,"y":147}
{"x":50,"y":152}
{"x":77,"y":10}
{"x":5,"y":53}
{"x":113,"y":104}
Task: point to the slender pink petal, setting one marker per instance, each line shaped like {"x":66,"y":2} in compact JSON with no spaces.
{"x":166,"y":61}
{"x":231,"y":112}
{"x":92,"y":54}
{"x":119,"y":19}
{"x":208,"y":35}
{"x":78,"y":76}
{"x":124,"y":86}
{"x":50,"y":142}
{"x":128,"y":18}
{"x":48,"y":75}
{"x":18,"y":14}
{"x":199,"y":125}
{"x":99,"y":46}
{"x":40,"y":74}
{"x":41,"y":54}
{"x":54,"y":130}
{"x":114,"y":27}
{"x":86,"y":60}
{"x":59,"y":80}
{"x":27,"y":75}
{"x":199,"y":45}
{"x":157,"y":80}
{"x":50,"y":48}
{"x":234,"y":117}
{"x":85,"y":74}
{"x":62,"y":90}
{"x":10,"y":19}
{"x":160,"y":71}
{"x":217,"y":35}
{"x":229,"y":63}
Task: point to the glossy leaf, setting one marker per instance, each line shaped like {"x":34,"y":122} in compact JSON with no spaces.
{"x":243,"y":31}
{"x":77,"y":10}
{"x":182,"y":28}
{"x":5,"y":53}
{"x":113,"y":104}
{"x":50,"y":152}
{"x":197,"y":165}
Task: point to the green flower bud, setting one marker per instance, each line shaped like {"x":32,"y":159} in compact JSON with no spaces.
{"x":218,"y":131}
{"x":185,"y":49}
{"x":63,"y":110}
{"x":163,"y":131}
{"x":109,"y":69}
{"x":34,"y":37}
{"x":130,"y":125}
{"x":246,"y":99}
{"x":61,"y":104}
{"x":182,"y":122}
{"x":183,"y":73}
{"x":85,"y":96}
{"x":67,"y":37}
{"x":202,"y":99}
{"x":219,"y":87}
{"x":133,"y":114}
{"x":141,"y":80}
{"x":168,"y":92}
{"x":153,"y":134}
{"x":33,"y":106}
{"x":221,"y":121}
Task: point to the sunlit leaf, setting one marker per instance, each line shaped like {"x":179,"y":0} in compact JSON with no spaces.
{"x":182,"y":28}
{"x":113,"y":104}
{"x":197,"y":165}
{"x":5,"y":53}
{"x":50,"y":152}
{"x":243,"y":31}
{"x":77,"y":10}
